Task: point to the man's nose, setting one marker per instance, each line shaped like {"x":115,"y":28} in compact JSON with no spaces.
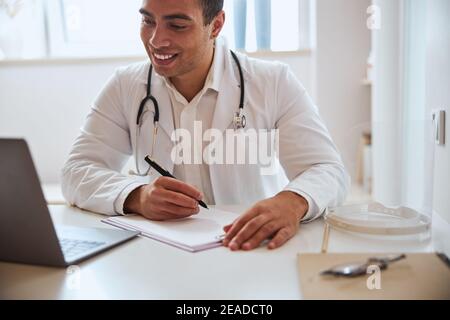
{"x":159,"y":39}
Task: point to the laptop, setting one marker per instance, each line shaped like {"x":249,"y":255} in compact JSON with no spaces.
{"x":27,"y":233}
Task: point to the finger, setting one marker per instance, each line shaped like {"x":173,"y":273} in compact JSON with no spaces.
{"x":179,"y":186}
{"x":239,"y":223}
{"x":178,"y":199}
{"x":248,"y":230}
{"x":225,"y":229}
{"x":265,"y":232}
{"x":159,"y":211}
{"x":281,"y":237}
{"x":177,"y":211}
{"x":158,"y":214}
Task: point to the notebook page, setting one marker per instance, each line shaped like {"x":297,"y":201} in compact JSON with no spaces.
{"x":194,"y":233}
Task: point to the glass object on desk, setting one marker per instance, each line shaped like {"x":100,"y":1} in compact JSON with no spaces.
{"x":378,"y":220}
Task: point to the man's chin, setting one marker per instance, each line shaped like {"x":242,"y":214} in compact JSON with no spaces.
{"x":165,"y":72}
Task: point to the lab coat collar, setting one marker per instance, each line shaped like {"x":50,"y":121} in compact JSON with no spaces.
{"x":217,"y":68}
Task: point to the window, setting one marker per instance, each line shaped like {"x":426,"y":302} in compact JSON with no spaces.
{"x":94,"y":28}
{"x":22,"y":33}
{"x":86,"y":28}
{"x":269,"y":25}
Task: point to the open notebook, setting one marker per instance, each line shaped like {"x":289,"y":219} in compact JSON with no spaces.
{"x":198,"y":232}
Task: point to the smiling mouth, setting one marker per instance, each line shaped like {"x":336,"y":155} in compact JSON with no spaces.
{"x":164,"y":59}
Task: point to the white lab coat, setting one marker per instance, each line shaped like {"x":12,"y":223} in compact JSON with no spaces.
{"x":274,"y":98}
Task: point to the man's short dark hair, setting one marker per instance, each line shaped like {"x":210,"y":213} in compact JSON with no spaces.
{"x":210,"y":9}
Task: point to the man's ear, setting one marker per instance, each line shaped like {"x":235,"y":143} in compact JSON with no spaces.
{"x":217,"y":24}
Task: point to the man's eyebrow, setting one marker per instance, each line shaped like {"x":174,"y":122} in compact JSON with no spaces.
{"x":178,"y":16}
{"x":168,"y":17}
{"x":144,"y":12}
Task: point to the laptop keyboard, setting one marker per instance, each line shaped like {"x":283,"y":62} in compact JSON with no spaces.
{"x":74,"y":247}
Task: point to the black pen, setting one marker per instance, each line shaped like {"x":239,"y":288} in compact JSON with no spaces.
{"x":166,"y":173}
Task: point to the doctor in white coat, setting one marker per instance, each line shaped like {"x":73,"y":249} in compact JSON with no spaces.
{"x":195,"y":79}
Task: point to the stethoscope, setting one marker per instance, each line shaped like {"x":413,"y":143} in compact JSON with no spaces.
{"x":239,"y":120}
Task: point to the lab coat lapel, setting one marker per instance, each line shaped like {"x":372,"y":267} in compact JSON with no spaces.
{"x":163,"y":144}
{"x":226,"y":180}
{"x":228,"y":97}
{"x":159,"y":91}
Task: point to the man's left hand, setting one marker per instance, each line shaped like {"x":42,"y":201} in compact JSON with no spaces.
{"x":277,"y":218}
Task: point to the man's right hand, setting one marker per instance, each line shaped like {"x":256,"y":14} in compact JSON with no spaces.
{"x":166,"y":198}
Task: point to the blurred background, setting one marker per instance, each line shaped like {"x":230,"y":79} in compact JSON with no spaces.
{"x":379,"y":72}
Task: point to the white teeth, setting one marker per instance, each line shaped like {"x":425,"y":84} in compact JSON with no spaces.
{"x":163,"y":56}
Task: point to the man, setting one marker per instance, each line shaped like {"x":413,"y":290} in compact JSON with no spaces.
{"x":195,"y":79}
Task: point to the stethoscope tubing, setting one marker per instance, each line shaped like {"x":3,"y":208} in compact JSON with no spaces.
{"x":149,"y":97}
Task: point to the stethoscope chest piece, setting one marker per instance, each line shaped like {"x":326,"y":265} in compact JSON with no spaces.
{"x":239,"y":120}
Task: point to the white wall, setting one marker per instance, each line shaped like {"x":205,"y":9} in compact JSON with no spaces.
{"x":438,"y":96}
{"x":343,"y":46}
{"x":412,"y":77}
{"x":46,"y":102}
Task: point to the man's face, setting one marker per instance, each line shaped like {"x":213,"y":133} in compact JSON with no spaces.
{"x":174,"y":35}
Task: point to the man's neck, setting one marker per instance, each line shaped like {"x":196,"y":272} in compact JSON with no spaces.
{"x":191,"y":83}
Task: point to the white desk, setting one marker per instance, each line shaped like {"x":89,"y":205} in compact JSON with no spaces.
{"x":147,"y":269}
